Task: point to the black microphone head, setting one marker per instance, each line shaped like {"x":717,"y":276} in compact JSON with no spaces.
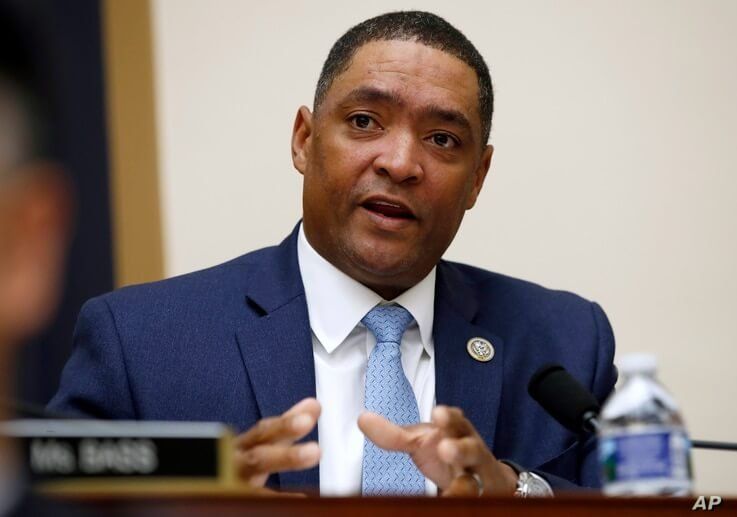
{"x":563,"y":397}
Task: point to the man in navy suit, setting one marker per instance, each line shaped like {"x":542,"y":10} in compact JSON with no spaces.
{"x":393,"y":154}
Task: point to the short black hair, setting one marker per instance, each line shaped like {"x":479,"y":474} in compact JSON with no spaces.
{"x":422,"y":27}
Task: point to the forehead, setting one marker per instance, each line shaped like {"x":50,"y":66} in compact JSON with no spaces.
{"x":418,"y":74}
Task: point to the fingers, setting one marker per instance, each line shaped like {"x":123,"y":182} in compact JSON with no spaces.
{"x":294,"y":424}
{"x":448,"y":451}
{"x":308,"y":405}
{"x":463,"y":452}
{"x":387,"y":435}
{"x":462,"y":446}
{"x":474,"y":467}
{"x":276,"y":429}
{"x":464,"y":485}
{"x":390,"y":436}
{"x":469,"y":456}
{"x":268,"y":446}
{"x":257,"y":461}
{"x":452,"y":421}
{"x":382,"y":432}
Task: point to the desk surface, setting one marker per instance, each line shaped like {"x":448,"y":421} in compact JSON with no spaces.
{"x":223,"y":505}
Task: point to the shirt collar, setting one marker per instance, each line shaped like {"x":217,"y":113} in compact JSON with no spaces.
{"x":336,"y":303}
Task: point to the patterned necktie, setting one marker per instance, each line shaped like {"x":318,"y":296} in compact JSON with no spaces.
{"x":389,"y":393}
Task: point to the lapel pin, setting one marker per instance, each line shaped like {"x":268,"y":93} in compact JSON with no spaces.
{"x":480,"y":349}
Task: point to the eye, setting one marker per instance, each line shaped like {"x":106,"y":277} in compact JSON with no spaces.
{"x":363,"y":121}
{"x":444,"y":140}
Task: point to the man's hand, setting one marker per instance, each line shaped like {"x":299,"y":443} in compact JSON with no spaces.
{"x":269,"y":446}
{"x":448,"y":451}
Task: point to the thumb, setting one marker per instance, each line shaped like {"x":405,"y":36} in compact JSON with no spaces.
{"x":382,"y":432}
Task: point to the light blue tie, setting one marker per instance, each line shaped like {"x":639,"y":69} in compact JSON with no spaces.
{"x":389,"y":393}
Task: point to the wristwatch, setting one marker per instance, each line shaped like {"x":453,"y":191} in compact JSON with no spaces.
{"x":530,"y":484}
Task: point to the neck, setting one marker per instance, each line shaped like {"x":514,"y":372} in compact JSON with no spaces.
{"x":387,"y":287}
{"x":387,"y":293}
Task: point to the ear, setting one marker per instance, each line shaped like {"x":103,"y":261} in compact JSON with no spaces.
{"x":36,"y":231}
{"x":480,"y":175}
{"x":302,"y":139}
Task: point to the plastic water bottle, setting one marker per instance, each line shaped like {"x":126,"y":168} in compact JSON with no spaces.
{"x":643,"y":445}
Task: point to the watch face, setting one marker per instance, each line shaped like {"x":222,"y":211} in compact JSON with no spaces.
{"x":533,"y":485}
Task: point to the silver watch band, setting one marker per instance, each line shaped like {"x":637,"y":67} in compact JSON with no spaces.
{"x":530,"y":484}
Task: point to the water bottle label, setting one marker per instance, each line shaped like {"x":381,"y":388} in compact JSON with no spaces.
{"x":655,"y":454}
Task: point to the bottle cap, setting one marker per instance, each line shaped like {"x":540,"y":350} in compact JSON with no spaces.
{"x":637,"y":363}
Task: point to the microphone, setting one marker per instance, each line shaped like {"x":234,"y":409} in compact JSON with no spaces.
{"x":571,"y":404}
{"x":565,"y":399}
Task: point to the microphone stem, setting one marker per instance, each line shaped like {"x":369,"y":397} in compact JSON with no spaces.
{"x":719,"y":446}
{"x":592,"y":423}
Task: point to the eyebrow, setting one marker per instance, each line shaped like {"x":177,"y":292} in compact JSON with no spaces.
{"x":370,"y":94}
{"x":451,"y":116}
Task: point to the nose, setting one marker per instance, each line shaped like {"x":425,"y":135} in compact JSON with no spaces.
{"x":398,"y":158}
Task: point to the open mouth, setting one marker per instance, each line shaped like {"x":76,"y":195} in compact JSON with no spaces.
{"x":388,"y":209}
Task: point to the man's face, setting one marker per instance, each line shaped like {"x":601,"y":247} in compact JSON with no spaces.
{"x":35,"y":212}
{"x":391,"y":160}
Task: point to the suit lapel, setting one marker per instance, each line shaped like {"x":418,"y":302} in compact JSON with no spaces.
{"x":460,"y":380}
{"x":277,"y":346}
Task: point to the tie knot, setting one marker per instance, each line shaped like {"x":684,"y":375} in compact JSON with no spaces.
{"x":388,"y":322}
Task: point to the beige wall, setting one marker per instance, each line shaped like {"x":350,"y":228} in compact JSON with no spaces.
{"x":132,"y":135}
{"x":614,"y":174}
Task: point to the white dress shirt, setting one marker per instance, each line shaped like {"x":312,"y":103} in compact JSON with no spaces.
{"x":341,"y":346}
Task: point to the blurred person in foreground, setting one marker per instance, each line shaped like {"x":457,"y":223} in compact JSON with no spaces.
{"x":353,"y":357}
{"x":35,"y":219}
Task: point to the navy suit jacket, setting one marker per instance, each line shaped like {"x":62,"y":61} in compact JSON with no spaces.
{"x":233,"y":343}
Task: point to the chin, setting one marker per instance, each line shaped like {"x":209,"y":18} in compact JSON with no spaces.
{"x":382,"y":261}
